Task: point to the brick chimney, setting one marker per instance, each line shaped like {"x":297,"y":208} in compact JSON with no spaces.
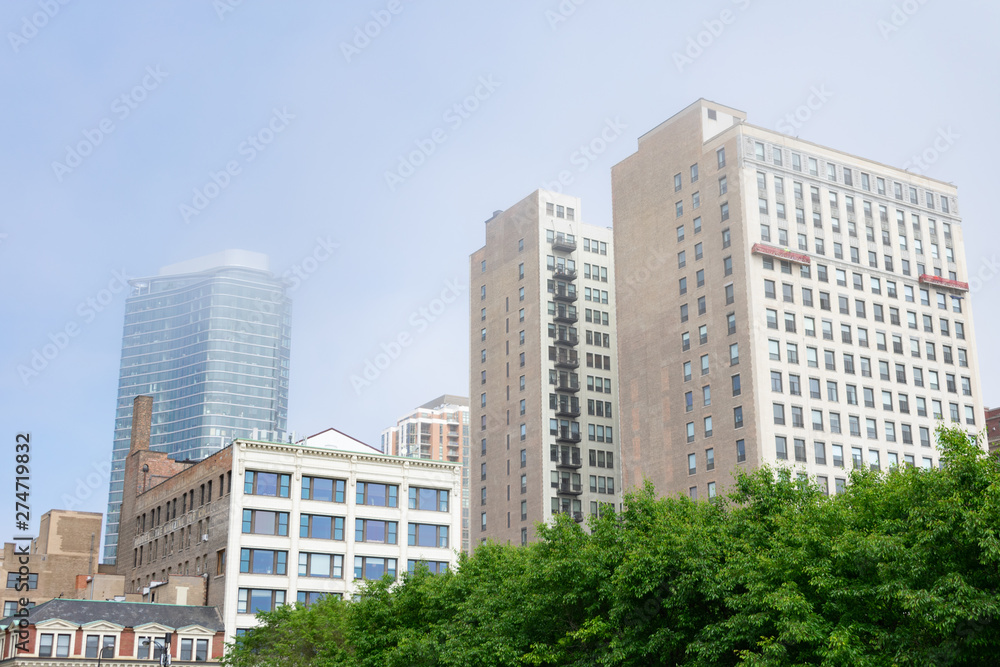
{"x":142,"y":423}
{"x":134,"y":482}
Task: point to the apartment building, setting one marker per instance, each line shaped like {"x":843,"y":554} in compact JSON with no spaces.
{"x":782,"y":302}
{"x":543,"y":371}
{"x":437,"y":430}
{"x":271,"y":523}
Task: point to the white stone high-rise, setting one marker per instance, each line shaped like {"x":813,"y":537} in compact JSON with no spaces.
{"x":782,"y":302}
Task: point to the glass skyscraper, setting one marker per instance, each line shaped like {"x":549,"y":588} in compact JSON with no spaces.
{"x":209,"y":340}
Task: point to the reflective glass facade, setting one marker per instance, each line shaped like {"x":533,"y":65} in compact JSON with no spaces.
{"x":212,"y":348}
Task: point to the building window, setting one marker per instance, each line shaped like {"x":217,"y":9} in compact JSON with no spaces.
{"x":427,"y":535}
{"x":265,"y":522}
{"x":262,"y":561}
{"x":62,"y":644}
{"x":322,"y":488}
{"x":380,"y":495}
{"x":435,"y":566}
{"x":781,"y":448}
{"x":366,"y":567}
{"x":144,"y":644}
{"x":253,"y":600}
{"x":321,"y":565}
{"x":435,"y":500}
{"x":94,"y":643}
{"x":321,"y":527}
{"x":14,"y":580}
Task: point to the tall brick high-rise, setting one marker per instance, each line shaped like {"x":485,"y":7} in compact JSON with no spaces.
{"x":783,"y":302}
{"x":543,"y":373}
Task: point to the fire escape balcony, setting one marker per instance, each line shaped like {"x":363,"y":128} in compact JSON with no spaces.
{"x":566,"y":315}
{"x":563,"y":242}
{"x":570,"y":360}
{"x":568,"y":410}
{"x":569,"y":296}
{"x":563,"y":273}
{"x":567,"y":460}
{"x":567,"y":339}
{"x":569,"y":487}
{"x":566,"y":435}
{"x":566,"y":384}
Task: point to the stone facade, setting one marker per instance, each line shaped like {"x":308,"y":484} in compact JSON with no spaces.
{"x":832,"y":288}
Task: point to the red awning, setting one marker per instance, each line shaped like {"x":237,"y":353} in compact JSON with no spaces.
{"x":780,"y":253}
{"x":929,"y":279}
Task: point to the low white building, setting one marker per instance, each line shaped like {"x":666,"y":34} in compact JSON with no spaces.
{"x":322,"y":515}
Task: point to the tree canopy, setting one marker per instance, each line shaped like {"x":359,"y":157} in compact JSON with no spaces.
{"x":902,"y":568}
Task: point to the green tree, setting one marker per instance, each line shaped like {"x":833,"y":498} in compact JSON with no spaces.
{"x":900,"y":569}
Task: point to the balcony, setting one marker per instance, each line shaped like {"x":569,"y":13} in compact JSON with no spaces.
{"x":566,"y":315}
{"x":567,"y":459}
{"x":570,"y":488}
{"x":577,"y":516}
{"x":567,"y":339}
{"x":569,"y":296}
{"x":564,"y":434}
{"x":570,"y":360}
{"x":564,"y":242}
{"x":563,"y":273}
{"x":567,"y":410}
{"x":567,"y":384}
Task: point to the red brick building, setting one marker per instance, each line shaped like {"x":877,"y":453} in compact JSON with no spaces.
{"x":67,"y":632}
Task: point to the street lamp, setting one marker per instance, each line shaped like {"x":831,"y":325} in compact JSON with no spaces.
{"x":164,"y":650}
{"x":101,"y":653}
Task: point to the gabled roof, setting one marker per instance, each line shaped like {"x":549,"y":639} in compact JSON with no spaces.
{"x":126,"y":614}
{"x":331,"y":438}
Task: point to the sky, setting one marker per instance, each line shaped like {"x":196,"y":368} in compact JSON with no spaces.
{"x":362,"y":145}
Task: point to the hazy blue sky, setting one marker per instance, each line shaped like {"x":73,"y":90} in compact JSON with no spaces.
{"x":338,"y":110}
